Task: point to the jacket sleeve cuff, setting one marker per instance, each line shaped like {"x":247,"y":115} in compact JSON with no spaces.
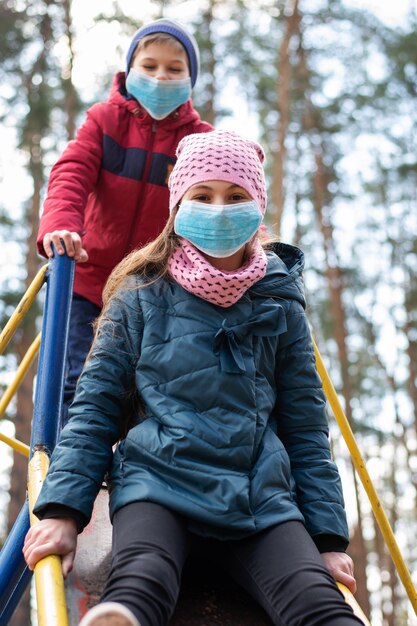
{"x":52,"y":511}
{"x":330,"y":543}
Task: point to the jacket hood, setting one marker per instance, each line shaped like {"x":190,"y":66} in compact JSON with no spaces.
{"x":185,"y":114}
{"x":284,"y":274}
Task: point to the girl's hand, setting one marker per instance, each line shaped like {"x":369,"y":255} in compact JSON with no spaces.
{"x":340,"y":565}
{"x":52,"y":536}
{"x":72,"y":243}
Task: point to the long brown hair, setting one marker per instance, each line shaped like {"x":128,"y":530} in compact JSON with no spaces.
{"x":150,"y":262}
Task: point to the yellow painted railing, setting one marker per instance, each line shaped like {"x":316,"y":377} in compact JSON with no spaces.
{"x":5,"y":337}
{"x":22,"y":308}
{"x":50,"y":593}
{"x":363,"y":474}
{"x":17,"y":445}
{"x":12,"y":389}
{"x":350,"y":599}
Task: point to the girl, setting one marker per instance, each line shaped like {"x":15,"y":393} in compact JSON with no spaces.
{"x":203,"y":341}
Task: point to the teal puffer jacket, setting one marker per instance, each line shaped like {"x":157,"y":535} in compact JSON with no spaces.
{"x":235,"y":435}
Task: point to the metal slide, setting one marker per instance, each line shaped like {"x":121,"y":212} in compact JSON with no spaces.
{"x":207,"y":597}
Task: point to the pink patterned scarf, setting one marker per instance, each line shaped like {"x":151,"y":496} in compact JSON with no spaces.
{"x":195,"y":274}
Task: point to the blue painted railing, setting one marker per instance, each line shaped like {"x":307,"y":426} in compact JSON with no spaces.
{"x":14,"y":574}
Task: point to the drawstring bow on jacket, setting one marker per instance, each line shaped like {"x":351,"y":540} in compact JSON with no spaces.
{"x":269,"y":323}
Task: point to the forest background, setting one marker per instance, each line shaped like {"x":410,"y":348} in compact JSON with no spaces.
{"x":330,"y":90}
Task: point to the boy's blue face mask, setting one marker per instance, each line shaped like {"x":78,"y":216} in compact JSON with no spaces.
{"x":215,"y":229}
{"x":158,"y":97}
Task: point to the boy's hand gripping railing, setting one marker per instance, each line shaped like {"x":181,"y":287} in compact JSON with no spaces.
{"x":360,"y":467}
{"x":14,"y":575}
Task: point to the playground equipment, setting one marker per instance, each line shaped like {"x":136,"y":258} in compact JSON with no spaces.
{"x":14,"y":575}
{"x":204,"y":598}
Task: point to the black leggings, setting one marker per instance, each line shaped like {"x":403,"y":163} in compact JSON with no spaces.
{"x":280,"y":567}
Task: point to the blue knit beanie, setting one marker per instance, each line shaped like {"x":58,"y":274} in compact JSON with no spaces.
{"x":174,"y":28}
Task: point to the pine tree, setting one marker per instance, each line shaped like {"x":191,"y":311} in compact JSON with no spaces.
{"x":39,"y":88}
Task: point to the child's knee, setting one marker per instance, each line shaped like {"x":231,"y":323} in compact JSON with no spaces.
{"x":155,"y":572}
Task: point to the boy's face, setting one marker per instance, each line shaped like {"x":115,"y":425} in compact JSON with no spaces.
{"x":164,"y":61}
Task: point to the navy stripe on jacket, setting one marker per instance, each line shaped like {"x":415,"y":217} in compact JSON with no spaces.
{"x":161,"y":168}
{"x":130,"y":162}
{"x":127,"y":162}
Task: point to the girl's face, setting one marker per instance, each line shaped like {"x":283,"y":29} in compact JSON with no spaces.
{"x":224,"y":193}
{"x":164,"y":61}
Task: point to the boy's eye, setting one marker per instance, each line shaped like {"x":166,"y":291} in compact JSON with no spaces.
{"x":149,"y":67}
{"x":175,"y":69}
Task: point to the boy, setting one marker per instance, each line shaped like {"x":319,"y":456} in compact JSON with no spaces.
{"x":108,"y":194}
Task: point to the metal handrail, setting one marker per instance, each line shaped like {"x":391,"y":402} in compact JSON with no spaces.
{"x":22,"y":308}
{"x":360,"y":467}
{"x":350,"y":599}
{"x":6,"y":398}
{"x":49,"y":582}
{"x":14,"y":574}
{"x":47,"y":422}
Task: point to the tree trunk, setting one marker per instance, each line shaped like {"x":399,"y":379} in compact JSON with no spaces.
{"x":393,"y":520}
{"x":284,"y":72}
{"x":385,"y":563}
{"x":409,"y":330}
{"x":70,"y":100}
{"x":35,"y":125}
{"x":381,"y":553}
{"x":210,"y":65}
{"x":335,"y":289}
{"x":395,"y":390}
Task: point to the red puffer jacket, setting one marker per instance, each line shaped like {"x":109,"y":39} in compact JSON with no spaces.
{"x":110,"y":184}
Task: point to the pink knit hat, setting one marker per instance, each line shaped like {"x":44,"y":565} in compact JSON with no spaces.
{"x":218,"y":155}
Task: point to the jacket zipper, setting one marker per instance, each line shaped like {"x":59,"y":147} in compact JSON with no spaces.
{"x":149,"y":149}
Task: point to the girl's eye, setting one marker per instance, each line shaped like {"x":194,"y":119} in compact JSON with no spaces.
{"x":175,"y":69}
{"x":202,"y":197}
{"x":238,"y":197}
{"x":149,"y":67}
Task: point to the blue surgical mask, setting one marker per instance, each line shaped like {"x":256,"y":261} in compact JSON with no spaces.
{"x":158,"y":97}
{"x":215,"y":229}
